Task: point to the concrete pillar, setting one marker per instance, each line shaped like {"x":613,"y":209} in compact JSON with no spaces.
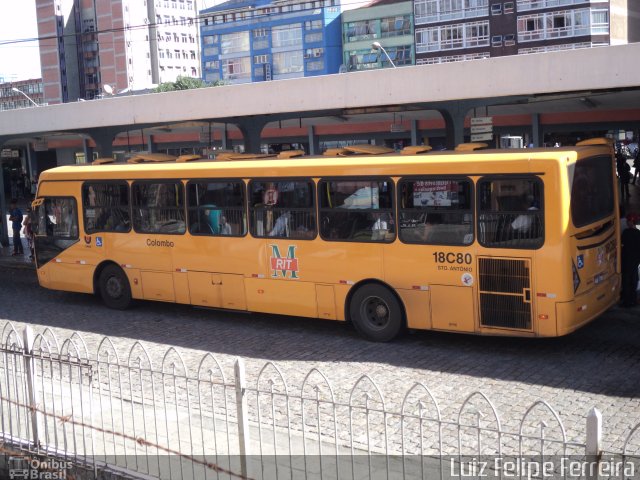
{"x":314,"y":141}
{"x":226,"y":144}
{"x":454,"y":124}
{"x":4,"y":226}
{"x":536,"y":131}
{"x":251,"y":132}
{"x":104,"y":141}
{"x":151,"y":145}
{"x":88,"y":150}
{"x":414,"y":132}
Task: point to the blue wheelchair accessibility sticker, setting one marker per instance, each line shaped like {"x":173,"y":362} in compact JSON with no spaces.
{"x":98,"y":241}
{"x":580,"y":261}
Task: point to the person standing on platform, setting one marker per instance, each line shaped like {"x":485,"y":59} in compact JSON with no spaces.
{"x":15,"y":217}
{"x":630,"y":261}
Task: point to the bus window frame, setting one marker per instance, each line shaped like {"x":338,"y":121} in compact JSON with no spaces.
{"x":110,"y":181}
{"x":517,"y":176}
{"x":180,"y":181}
{"x":219,"y":180}
{"x":614,"y":179}
{"x":440,"y":177}
{"x":367,"y":178}
{"x":251,"y":208}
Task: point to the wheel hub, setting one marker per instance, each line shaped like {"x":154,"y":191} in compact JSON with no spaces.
{"x":114,"y":287}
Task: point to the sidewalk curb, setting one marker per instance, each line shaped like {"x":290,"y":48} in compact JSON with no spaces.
{"x":16,"y":265}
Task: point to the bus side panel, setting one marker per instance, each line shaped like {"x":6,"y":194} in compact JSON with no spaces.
{"x":283,"y":297}
{"x":417,"y":305}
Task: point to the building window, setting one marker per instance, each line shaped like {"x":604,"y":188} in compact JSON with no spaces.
{"x":313,"y":25}
{"x":431,"y":11}
{"x":362,"y":30}
{"x":450,"y":37}
{"x":496,"y":9}
{"x":236,"y":68}
{"x":509,"y":40}
{"x":286,"y":35}
{"x":395,"y":26}
{"x":234,"y":42}
{"x":496,"y":41}
{"x":287,"y":62}
{"x":260,"y":59}
{"x":315,"y":66}
{"x":509,"y":7}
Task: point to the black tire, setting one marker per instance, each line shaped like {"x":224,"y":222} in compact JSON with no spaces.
{"x":114,"y":288}
{"x":376,"y":313}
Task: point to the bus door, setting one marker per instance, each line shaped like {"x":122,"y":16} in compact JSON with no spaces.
{"x":55,"y":227}
{"x":511,"y":228}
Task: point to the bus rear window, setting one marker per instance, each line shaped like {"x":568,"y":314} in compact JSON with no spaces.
{"x":592,"y":190}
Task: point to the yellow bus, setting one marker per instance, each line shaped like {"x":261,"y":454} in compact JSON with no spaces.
{"x":493,"y":242}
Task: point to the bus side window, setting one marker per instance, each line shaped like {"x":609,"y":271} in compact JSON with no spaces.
{"x":216,"y":208}
{"x":284,"y":209}
{"x":437,"y":211}
{"x":357,"y":210}
{"x":106,"y":207}
{"x":510,"y":212}
{"x":158,"y":207}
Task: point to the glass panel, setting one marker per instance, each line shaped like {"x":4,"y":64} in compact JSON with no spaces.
{"x":106,"y":207}
{"x":436,"y":212}
{"x":356,"y":210}
{"x":55,"y":227}
{"x":592,"y":190}
{"x":158,"y":208}
{"x":216,"y":208}
{"x":283,"y":209}
{"x":510,"y":213}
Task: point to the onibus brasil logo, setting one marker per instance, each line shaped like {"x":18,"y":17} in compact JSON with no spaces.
{"x":281,"y":266}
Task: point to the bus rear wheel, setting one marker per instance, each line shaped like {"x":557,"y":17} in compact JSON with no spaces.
{"x":376,"y":313}
{"x":114,"y":288}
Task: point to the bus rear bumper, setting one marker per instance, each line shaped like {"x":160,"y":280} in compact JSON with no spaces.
{"x":587,"y":307}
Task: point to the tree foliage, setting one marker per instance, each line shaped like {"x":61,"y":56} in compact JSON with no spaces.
{"x":185,"y":83}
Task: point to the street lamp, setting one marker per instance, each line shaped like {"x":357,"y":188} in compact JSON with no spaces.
{"x":377,"y":46}
{"x":17,"y":90}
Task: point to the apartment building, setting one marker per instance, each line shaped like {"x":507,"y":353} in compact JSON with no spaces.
{"x":253,"y":41}
{"x":455,"y":30}
{"x":127,"y":44}
{"x":379,"y":35}
{"x":20,"y":94}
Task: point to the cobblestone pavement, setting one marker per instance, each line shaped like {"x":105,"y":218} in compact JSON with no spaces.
{"x":598,"y":366}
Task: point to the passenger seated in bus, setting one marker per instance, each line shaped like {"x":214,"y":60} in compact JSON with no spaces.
{"x":523,"y":223}
{"x":225,"y":228}
{"x":281,"y":227}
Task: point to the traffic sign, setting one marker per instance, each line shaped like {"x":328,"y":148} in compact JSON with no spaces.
{"x":481,"y":129}
{"x":482,"y":121}
{"x":481,"y":137}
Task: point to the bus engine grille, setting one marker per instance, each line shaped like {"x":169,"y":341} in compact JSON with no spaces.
{"x":505,"y":293}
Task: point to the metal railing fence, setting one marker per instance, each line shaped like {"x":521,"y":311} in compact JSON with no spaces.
{"x":166,"y":420}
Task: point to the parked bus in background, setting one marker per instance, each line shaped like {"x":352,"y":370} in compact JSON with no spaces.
{"x":519,"y":242}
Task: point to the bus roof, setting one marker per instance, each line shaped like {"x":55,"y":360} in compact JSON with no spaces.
{"x":470,"y":163}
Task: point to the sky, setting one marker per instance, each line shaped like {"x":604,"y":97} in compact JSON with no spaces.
{"x":21,"y":61}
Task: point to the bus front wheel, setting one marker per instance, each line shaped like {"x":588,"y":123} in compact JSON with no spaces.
{"x":114,"y":288}
{"x":376,"y":313}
